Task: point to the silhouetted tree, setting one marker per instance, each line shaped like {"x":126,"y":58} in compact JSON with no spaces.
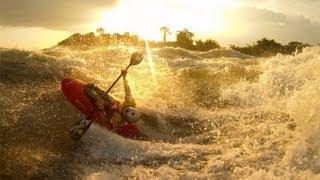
{"x":295,"y":46}
{"x":199,"y":45}
{"x":268,"y":47}
{"x":207,"y":45}
{"x":185,"y":39}
{"x":165,"y":31}
{"x":211,"y":44}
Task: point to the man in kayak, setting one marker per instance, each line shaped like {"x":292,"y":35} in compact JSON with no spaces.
{"x":113,"y":112}
{"x":99,"y":107}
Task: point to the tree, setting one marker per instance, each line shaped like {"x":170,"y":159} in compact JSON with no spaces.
{"x":211,"y":44}
{"x":185,"y":39}
{"x":295,"y":46}
{"x":207,"y":45}
{"x":165,"y":30}
{"x":268,"y":44}
{"x":199,"y":45}
{"x":100,"y":31}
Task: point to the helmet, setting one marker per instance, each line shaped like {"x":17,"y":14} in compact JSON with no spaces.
{"x":131,"y":114}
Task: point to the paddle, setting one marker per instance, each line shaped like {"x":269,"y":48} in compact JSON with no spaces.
{"x":135,"y":59}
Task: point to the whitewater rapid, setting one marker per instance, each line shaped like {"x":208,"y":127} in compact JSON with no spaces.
{"x":219,"y":114}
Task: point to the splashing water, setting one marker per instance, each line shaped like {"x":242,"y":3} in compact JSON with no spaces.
{"x":151,"y":64}
{"x":219,"y":114}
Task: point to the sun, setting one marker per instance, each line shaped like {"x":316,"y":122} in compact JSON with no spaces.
{"x":145,"y":17}
{"x":142,"y":17}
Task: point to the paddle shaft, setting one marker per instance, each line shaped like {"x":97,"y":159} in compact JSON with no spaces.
{"x":115,"y":82}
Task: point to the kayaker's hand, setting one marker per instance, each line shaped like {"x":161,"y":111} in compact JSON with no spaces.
{"x":124,"y":72}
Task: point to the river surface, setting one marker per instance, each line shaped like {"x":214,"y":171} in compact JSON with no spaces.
{"x":219,"y":114}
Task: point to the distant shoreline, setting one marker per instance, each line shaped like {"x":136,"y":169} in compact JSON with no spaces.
{"x":184,"y":39}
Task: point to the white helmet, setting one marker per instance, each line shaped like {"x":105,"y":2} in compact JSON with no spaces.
{"x":130,"y":114}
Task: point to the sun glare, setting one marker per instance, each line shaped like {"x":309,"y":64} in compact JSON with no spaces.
{"x":151,"y":63}
{"x":145,"y":17}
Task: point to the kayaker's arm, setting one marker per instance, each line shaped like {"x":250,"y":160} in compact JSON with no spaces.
{"x":128,"y":99}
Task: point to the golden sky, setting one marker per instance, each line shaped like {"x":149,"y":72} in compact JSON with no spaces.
{"x":145,"y":17}
{"x":36,"y":24}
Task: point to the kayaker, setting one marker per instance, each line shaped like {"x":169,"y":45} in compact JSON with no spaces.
{"x":100,"y":107}
{"x":113,"y":112}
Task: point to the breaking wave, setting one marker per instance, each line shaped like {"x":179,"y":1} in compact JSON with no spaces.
{"x":218,"y":114}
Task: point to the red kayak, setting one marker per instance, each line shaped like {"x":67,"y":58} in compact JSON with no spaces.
{"x":73,"y":89}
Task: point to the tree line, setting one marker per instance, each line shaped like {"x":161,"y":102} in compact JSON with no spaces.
{"x":103,"y":39}
{"x":269,"y":47}
{"x":184,"y":39}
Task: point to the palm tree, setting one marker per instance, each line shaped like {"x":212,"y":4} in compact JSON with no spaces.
{"x":165,"y":31}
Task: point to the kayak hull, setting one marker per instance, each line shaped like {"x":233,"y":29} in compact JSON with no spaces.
{"x":73,"y":89}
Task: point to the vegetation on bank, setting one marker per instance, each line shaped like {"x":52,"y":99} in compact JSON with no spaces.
{"x":269,"y":47}
{"x":103,"y":39}
{"x":184,"y":39}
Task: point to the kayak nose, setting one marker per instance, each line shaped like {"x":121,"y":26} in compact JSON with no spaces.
{"x":65,"y":82}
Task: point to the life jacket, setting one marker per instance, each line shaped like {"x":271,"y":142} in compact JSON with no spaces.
{"x":111,"y":107}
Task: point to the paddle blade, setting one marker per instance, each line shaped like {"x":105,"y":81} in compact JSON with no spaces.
{"x":136,"y":58}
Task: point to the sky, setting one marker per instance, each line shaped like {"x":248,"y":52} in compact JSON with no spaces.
{"x":37,"y":24}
